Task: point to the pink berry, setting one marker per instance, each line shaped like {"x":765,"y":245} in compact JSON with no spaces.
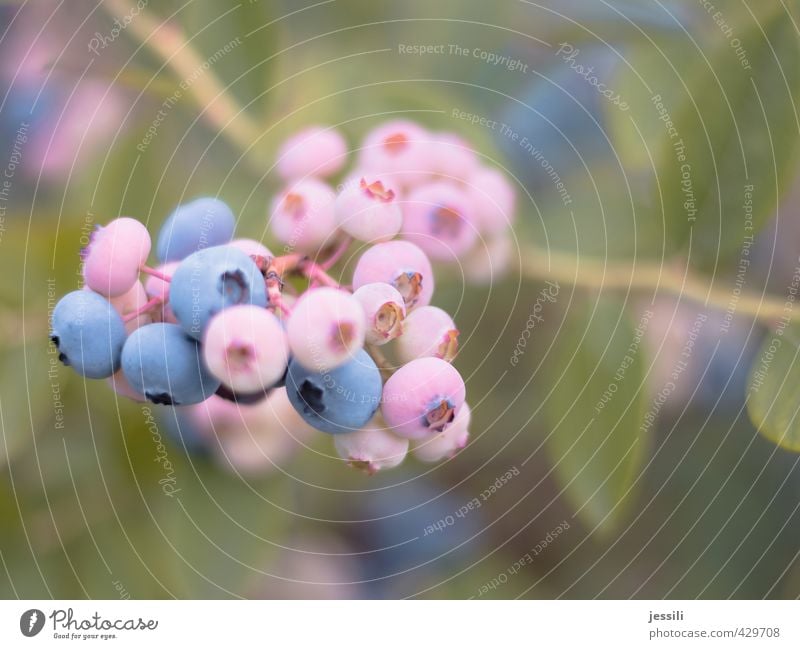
{"x":438,"y":218}
{"x":453,"y":158}
{"x":114,"y":256}
{"x":326,"y":328}
{"x":314,"y":151}
{"x":428,"y":331}
{"x":130,"y":302}
{"x":385,"y":310}
{"x":302,"y":216}
{"x":245,"y":347}
{"x":400,"y":148}
{"x":489,"y":260}
{"x":369,"y":211}
{"x":252,"y":247}
{"x":401,"y":264}
{"x":157,"y":287}
{"x":492,"y":198}
{"x":446,"y":444}
{"x":422,"y":398}
{"x":371,"y":449}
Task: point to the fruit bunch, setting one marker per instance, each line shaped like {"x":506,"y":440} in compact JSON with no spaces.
{"x":234,"y":335}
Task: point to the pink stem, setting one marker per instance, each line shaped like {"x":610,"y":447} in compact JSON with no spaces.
{"x":317,"y":274}
{"x":147,"y":270}
{"x":150,"y":304}
{"x":337,"y":254}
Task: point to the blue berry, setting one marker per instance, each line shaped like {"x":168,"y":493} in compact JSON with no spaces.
{"x":210,"y":280}
{"x":88,"y":333}
{"x":340,"y":400}
{"x":201,"y":223}
{"x":161,"y":362}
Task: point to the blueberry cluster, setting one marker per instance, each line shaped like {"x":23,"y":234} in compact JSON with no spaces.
{"x":232,"y":334}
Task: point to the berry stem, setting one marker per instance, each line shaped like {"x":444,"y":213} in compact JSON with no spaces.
{"x":330,"y":262}
{"x":317,"y":275}
{"x":147,"y":270}
{"x":150,"y":304}
{"x":657,"y":278}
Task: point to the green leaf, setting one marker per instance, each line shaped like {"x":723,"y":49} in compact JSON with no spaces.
{"x":595,"y":412}
{"x":734,"y":123}
{"x":773,"y":391}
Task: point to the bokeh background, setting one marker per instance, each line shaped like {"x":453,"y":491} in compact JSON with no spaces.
{"x":678,"y":496}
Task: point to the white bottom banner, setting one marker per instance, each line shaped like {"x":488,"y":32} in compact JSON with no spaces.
{"x":334,"y":624}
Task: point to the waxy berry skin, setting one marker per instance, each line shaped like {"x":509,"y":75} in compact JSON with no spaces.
{"x":493,"y":200}
{"x":428,"y":331}
{"x":453,"y":159}
{"x":210,"y":280}
{"x":384,"y":309}
{"x":88,"y":333}
{"x":422,"y":398}
{"x":302,"y":215}
{"x":401,"y":264}
{"x":201,"y":223}
{"x":327,"y":327}
{"x":115,"y":253}
{"x":368,"y":211}
{"x":371,"y":449}
{"x":315,"y":151}
{"x":446,"y":444}
{"x":165,"y":365}
{"x":252,"y":248}
{"x":400,"y":148}
{"x":341,"y":400}
{"x":245,"y":347}
{"x":438,"y":218}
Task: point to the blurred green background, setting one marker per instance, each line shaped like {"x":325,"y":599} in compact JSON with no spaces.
{"x":695,"y":504}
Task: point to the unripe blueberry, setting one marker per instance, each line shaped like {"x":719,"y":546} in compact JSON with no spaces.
{"x":428,"y":331}
{"x":401,"y":264}
{"x":302,"y":216}
{"x":210,"y":280}
{"x":371,"y":449}
{"x":445,"y":444}
{"x":88,"y":333}
{"x":245,"y":347}
{"x":384,"y":309}
{"x":438,"y":218}
{"x":492,"y":198}
{"x":326,"y":328}
{"x":453,"y":158}
{"x":389,"y":182}
{"x":314,"y":151}
{"x":115,"y":253}
{"x":399,"y":147}
{"x":368,"y":212}
{"x":130,"y":302}
{"x":422,"y":398}
{"x":201,"y":223}
{"x":489,"y":260}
